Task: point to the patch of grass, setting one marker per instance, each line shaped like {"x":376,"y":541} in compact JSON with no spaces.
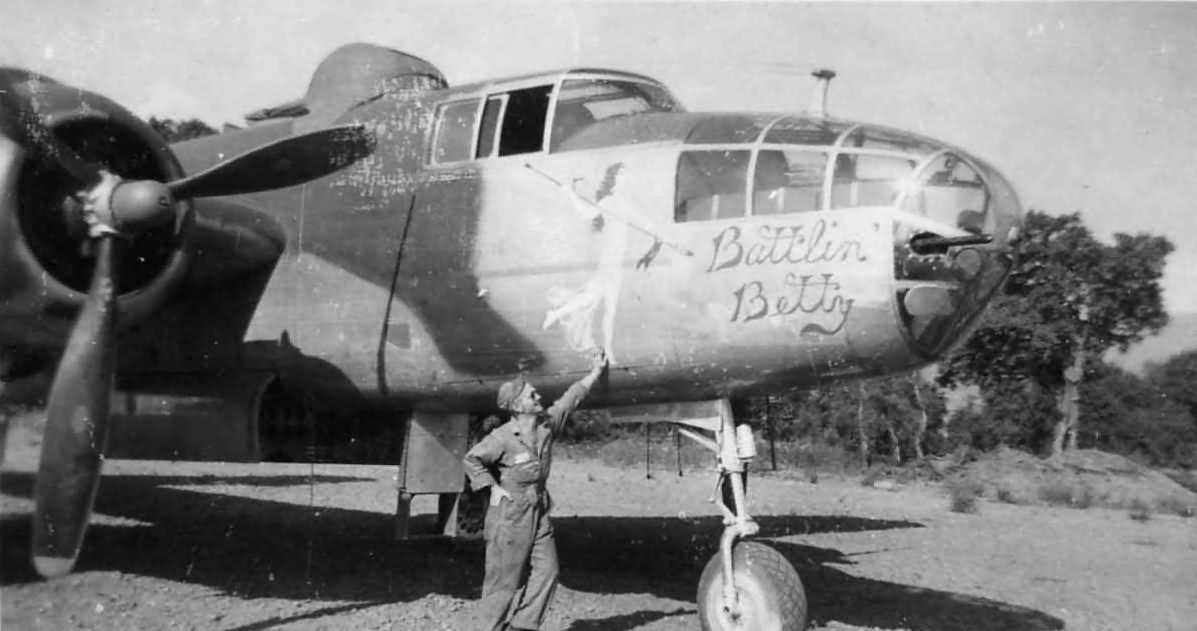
{"x":872,"y":475}
{"x":812,"y":457}
{"x":1084,"y":497}
{"x":1056,"y":493}
{"x":964,"y":495}
{"x":1064,"y":494}
{"x":1185,"y":478}
{"x":1140,"y":510}
{"x":1177,"y":506}
{"x":1007,"y":495}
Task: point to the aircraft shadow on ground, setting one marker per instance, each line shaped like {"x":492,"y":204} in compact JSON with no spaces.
{"x":265,"y":549}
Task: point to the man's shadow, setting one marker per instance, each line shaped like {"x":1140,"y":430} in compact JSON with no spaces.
{"x":255,"y":548}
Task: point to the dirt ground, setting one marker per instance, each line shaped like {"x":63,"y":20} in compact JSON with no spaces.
{"x":294,"y":547}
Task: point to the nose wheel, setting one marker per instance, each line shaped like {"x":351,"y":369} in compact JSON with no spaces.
{"x":768,"y":592}
{"x":746,"y":586}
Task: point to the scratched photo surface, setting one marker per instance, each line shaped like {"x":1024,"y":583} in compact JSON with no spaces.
{"x":264,"y":269}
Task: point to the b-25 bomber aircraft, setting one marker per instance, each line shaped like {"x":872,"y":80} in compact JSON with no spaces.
{"x":350,"y":277}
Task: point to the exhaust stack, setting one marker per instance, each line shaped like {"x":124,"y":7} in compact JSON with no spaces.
{"x":818,"y":101}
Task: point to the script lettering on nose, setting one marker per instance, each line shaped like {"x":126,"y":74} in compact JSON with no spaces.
{"x":804,"y":251}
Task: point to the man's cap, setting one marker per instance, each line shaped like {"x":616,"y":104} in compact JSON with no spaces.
{"x":509,"y":391}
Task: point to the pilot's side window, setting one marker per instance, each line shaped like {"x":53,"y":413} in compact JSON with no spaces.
{"x":490,"y":124}
{"x":788,"y":182}
{"x":524,"y":120}
{"x":711,"y":184}
{"x":454,"y":131}
{"x":863,"y":179}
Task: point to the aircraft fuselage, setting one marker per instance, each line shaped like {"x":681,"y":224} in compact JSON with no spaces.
{"x":711,"y":255}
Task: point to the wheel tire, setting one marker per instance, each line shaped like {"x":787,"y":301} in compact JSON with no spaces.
{"x":771,"y":594}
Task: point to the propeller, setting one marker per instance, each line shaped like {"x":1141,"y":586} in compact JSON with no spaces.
{"x":114,"y":209}
{"x":76,"y":425}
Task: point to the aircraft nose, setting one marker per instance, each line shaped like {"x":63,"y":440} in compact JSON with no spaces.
{"x":954,"y":240}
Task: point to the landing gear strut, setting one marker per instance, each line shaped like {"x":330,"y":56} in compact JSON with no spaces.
{"x":746,"y":585}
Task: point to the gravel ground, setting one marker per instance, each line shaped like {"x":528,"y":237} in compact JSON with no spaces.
{"x":293,"y":547}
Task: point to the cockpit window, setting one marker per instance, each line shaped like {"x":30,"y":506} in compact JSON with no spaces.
{"x":455,"y":132}
{"x":524,"y":120}
{"x":711,"y":185}
{"x":951,"y":192}
{"x":882,"y":139}
{"x":869,"y":180}
{"x":490,"y":124}
{"x":581,"y":102}
{"x":788,"y":181}
{"x":805,"y":131}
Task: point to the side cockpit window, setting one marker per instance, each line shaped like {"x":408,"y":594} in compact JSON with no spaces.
{"x":583,"y":101}
{"x":524,"y":121}
{"x":490,"y":125}
{"x":514,"y":122}
{"x":863,"y":179}
{"x":711,"y":184}
{"x":788,"y":181}
{"x":454,"y":137}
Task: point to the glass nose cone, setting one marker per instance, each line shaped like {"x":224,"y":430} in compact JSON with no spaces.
{"x":953,"y":247}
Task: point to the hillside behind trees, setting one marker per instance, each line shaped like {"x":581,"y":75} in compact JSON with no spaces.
{"x":1179,"y":335}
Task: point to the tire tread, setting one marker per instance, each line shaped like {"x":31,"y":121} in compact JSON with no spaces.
{"x":775,"y":571}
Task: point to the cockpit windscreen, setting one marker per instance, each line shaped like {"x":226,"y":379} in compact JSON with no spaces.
{"x":583,"y":101}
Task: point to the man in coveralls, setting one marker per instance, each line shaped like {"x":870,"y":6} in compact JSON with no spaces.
{"x":521,"y":556}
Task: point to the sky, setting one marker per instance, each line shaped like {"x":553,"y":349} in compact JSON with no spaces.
{"x":1088,"y":107}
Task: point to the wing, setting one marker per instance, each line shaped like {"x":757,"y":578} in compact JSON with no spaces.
{"x":232,"y":251}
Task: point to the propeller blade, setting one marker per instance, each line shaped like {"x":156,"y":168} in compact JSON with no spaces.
{"x":76,"y":425}
{"x":286,"y":162}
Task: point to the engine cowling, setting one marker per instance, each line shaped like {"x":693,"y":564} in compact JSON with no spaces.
{"x":45,"y":259}
{"x":90,"y":198}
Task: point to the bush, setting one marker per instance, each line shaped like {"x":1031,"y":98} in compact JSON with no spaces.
{"x":589,"y":426}
{"x":1177,"y":506}
{"x":1140,"y":510}
{"x":964,"y":494}
{"x":1064,"y":494}
{"x":1006,"y":494}
{"x":872,"y":475}
{"x":1084,"y":497}
{"x":1057,"y":493}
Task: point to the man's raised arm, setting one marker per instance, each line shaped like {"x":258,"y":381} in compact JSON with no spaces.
{"x":564,"y":406}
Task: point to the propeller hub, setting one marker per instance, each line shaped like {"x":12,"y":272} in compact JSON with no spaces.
{"x":125,"y":207}
{"x":140,"y":204}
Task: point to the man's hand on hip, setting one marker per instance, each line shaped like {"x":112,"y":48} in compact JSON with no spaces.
{"x":497,"y":494}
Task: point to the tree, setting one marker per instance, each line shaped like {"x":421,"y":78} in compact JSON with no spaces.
{"x":1068,"y":298}
{"x":1012,"y":413}
{"x":1176,"y":379}
{"x":888,"y":415}
{"x":1132,"y":416}
{"x":177,"y":131}
{"x":901,"y":407}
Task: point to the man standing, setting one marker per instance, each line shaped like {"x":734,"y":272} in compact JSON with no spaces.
{"x":521,"y":556}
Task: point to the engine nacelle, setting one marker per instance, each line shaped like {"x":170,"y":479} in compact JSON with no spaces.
{"x":246,"y":416}
{"x":45,"y":264}
{"x":192,"y":418}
